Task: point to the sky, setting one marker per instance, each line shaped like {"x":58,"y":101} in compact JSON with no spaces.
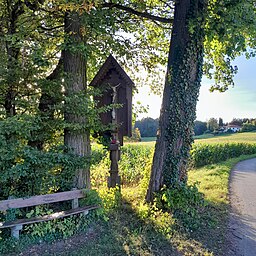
{"x":237,"y":102}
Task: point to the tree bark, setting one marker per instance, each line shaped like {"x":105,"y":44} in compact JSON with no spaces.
{"x":14,"y":12}
{"x":178,"y":110}
{"x":77,"y":139}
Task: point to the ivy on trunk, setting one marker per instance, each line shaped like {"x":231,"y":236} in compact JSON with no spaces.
{"x":184,"y":72}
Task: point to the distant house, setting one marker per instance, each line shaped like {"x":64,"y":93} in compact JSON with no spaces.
{"x":233,"y":128}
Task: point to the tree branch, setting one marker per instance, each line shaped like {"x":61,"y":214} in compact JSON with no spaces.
{"x":167,"y":4}
{"x":55,"y":73}
{"x":141,"y":14}
{"x":50,"y":29}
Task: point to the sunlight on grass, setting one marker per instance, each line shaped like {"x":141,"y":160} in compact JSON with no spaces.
{"x":148,"y":139}
{"x":136,"y":228}
{"x":213,"y":179}
{"x":248,"y":137}
{"x":196,"y":225}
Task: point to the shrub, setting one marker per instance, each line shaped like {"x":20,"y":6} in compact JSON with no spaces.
{"x":203,"y":154}
{"x":185,"y":203}
{"x":247,"y":127}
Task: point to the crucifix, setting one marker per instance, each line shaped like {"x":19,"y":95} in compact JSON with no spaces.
{"x":117,"y":87}
{"x":114,"y":147}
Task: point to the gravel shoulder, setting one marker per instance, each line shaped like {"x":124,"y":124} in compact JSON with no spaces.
{"x":242,"y":224}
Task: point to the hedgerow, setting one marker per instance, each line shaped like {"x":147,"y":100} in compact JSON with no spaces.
{"x":203,"y":154}
{"x":136,"y":159}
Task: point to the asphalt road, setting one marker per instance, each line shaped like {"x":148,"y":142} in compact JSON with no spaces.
{"x":242,"y":224}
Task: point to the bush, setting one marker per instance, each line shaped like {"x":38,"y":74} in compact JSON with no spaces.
{"x":27,"y":171}
{"x":185,"y":203}
{"x":203,"y":154}
{"x":247,"y":127}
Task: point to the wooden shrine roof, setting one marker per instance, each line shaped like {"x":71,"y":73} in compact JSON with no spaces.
{"x":111,"y":63}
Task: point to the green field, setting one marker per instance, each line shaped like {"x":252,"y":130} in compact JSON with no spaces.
{"x":148,"y":139}
{"x":246,"y":137}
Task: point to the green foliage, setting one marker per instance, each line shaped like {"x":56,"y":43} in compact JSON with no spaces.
{"x":35,"y":172}
{"x":248,"y":127}
{"x":63,"y":227}
{"x":92,"y":198}
{"x":46,"y":231}
{"x":58,"y":228}
{"x":240,"y":121}
{"x":147,"y":126}
{"x":230,"y":32}
{"x":220,"y":122}
{"x":212,"y":124}
{"x":203,"y":154}
{"x":136,"y":136}
{"x":27,"y":171}
{"x":185,"y":202}
{"x":111,"y":198}
{"x":181,"y":212}
{"x":133,"y":162}
{"x":199,"y":127}
{"x":144,"y":181}
{"x":32,"y":81}
{"x":134,"y":158}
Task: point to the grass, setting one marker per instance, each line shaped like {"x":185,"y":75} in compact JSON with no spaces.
{"x":145,"y":141}
{"x":126,"y":234}
{"x":247,"y":137}
{"x":203,"y":136}
{"x":148,"y":139}
{"x":133,"y":228}
{"x":213,"y":179}
{"x":132,"y":231}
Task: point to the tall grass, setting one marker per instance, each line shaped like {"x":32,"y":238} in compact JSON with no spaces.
{"x":132,"y":165}
{"x":136,"y":157}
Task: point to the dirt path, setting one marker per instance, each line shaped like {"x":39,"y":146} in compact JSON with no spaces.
{"x":242,"y":224}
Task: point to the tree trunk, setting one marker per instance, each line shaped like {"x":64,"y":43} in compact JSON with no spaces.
{"x":178,"y":110}
{"x":14,"y":11}
{"x":77,"y":139}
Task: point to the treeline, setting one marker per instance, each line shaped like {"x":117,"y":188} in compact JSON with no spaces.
{"x":214,"y":125}
{"x":148,"y":126}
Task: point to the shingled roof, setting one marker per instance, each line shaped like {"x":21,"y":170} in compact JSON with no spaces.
{"x":109,"y":64}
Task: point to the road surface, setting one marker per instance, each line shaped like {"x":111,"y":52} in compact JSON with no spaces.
{"x":242,"y":225}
